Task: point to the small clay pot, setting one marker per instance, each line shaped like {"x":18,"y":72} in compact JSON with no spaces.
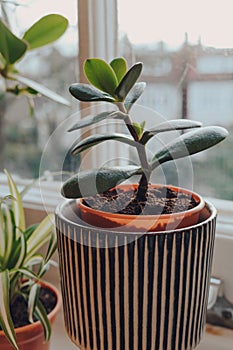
{"x":31,"y":337}
{"x":144,"y":223}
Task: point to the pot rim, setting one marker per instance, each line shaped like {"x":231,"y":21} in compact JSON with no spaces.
{"x":77,"y":221}
{"x":31,"y":327}
{"x":196,"y":196}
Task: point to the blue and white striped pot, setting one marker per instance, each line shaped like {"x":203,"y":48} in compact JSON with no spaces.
{"x":132,"y":291}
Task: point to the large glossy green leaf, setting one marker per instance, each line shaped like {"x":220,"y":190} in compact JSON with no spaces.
{"x":119,"y":66}
{"x":90,"y":182}
{"x":101,"y":75}
{"x":5,"y":316}
{"x":190,"y":143}
{"x":40,"y":88}
{"x":134,"y":95}
{"x":46,"y":30}
{"x":12,"y":48}
{"x":170,"y":125}
{"x":94,"y":140}
{"x":87,"y":93}
{"x":128,"y":81}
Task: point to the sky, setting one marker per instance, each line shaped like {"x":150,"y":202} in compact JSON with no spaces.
{"x":147,"y":21}
{"x":168,"y":20}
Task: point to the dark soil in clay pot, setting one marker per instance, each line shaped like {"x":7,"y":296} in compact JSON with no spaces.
{"x":19,"y":307}
{"x":158,"y":201}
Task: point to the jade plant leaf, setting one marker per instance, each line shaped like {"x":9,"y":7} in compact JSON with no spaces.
{"x":134,"y":95}
{"x":87,"y":93}
{"x":128,"y":81}
{"x":90,"y":120}
{"x":94,"y":140}
{"x":101,"y":75}
{"x":45,"y":31}
{"x":91,"y":182}
{"x":12,"y":48}
{"x":190,"y":143}
{"x":170,"y":125}
{"x":119,"y":66}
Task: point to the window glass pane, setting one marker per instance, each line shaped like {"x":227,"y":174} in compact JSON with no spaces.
{"x":187,"y":51}
{"x":23,"y":136}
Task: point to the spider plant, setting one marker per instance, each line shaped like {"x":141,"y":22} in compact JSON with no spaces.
{"x":22,"y":265}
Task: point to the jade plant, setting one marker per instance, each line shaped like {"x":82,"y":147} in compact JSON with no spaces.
{"x":13,"y":49}
{"x":22,"y":265}
{"x":116,"y":84}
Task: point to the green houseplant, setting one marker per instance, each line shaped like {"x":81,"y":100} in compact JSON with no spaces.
{"x":22,"y":267}
{"x":13,"y":49}
{"x":142,"y":287}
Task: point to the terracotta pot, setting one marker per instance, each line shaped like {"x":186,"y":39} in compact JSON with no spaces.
{"x":143,"y":223}
{"x":132,"y":290}
{"x":31,"y":337}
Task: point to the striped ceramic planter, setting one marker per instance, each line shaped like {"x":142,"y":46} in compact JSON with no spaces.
{"x":126,"y":291}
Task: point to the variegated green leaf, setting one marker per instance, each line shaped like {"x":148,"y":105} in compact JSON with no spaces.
{"x":52,"y":246}
{"x":40,"y":236}
{"x":42,"y":316}
{"x":23,"y":250}
{"x":9,"y":232}
{"x":190,"y":143}
{"x":32,"y":301}
{"x":128,"y":81}
{"x":5,"y":316}
{"x":17,"y":205}
{"x":94,"y":140}
{"x":90,"y":182}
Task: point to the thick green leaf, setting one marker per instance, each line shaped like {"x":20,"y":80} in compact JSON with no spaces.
{"x":5,"y":316}
{"x":128,"y":81}
{"x":101,"y":75}
{"x":190,"y":143}
{"x":119,"y":66}
{"x":96,"y":119}
{"x":170,"y":125}
{"x":134,"y":95}
{"x":96,"y":139}
{"x":17,"y":205}
{"x":90,"y":182}
{"x":87,"y":93}
{"x":40,"y":88}
{"x":46,"y":30}
{"x":12,"y":48}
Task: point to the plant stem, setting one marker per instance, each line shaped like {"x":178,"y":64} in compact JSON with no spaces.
{"x":141,"y":150}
